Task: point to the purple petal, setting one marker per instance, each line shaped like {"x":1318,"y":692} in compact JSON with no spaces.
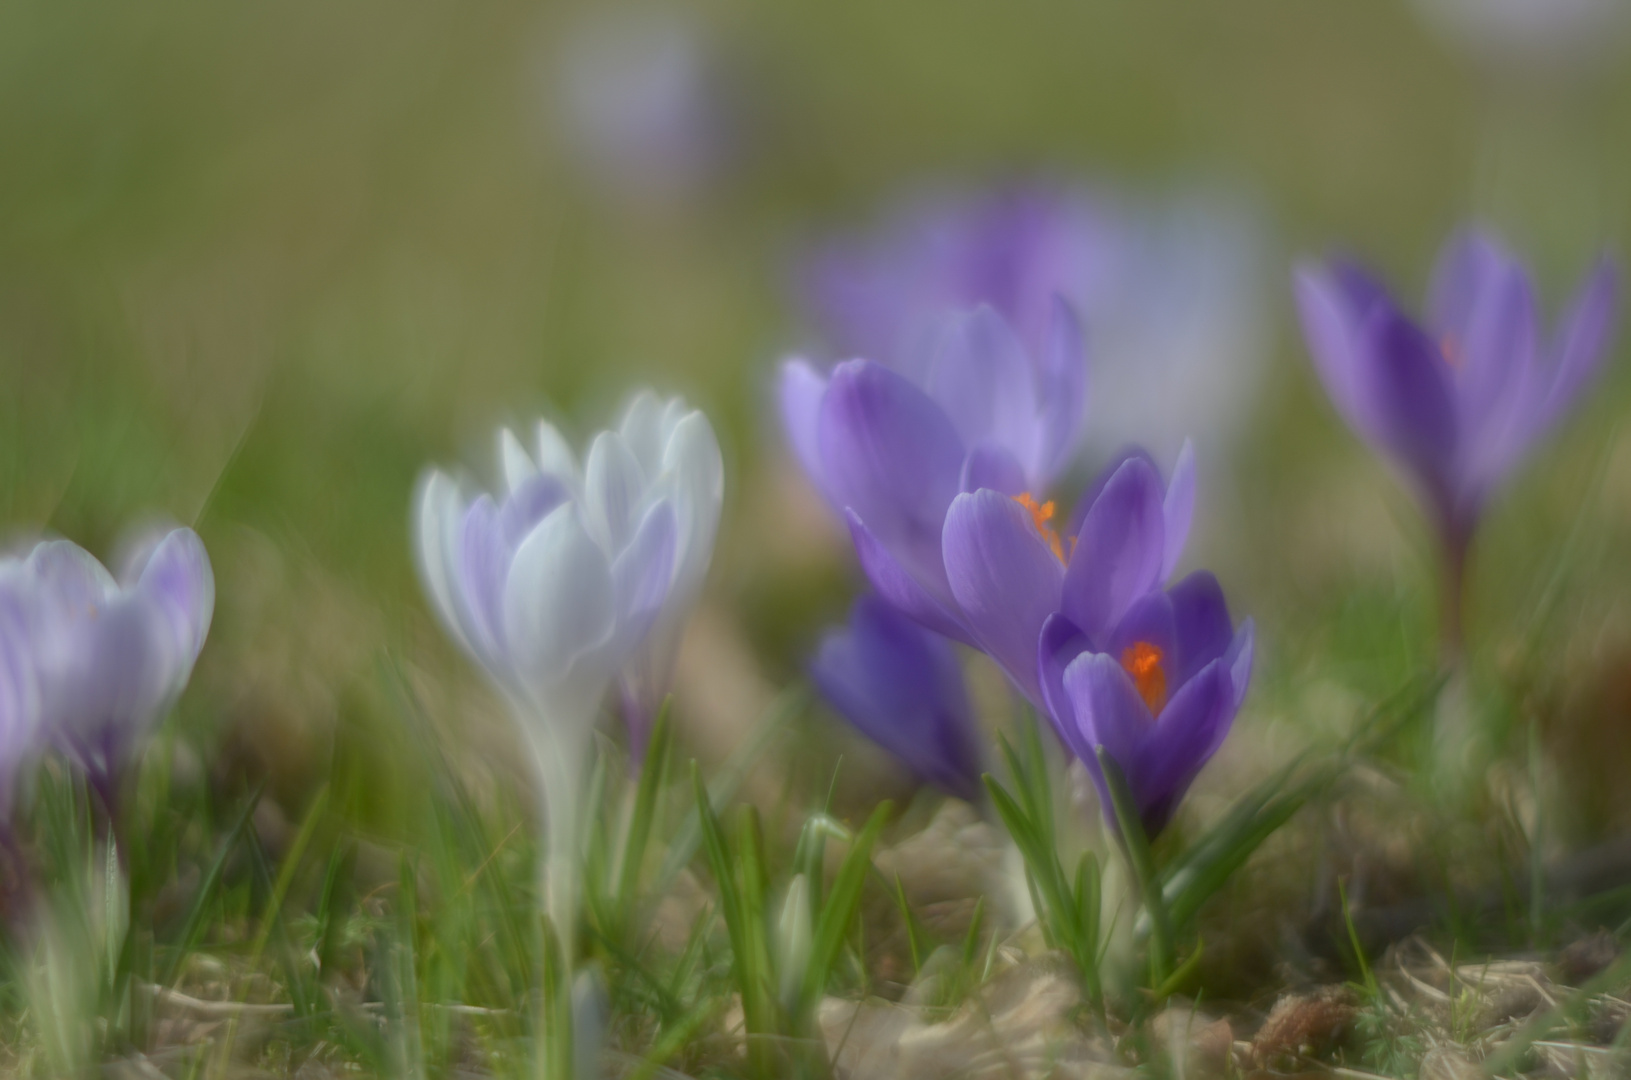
{"x":1178,"y":509}
{"x":1108,"y":713}
{"x":1333,"y":319}
{"x":1201,"y":617}
{"x":1062,"y":641}
{"x":178,"y":584}
{"x":1461,"y":280}
{"x":1101,"y":479}
{"x":909,"y":593}
{"x":1407,"y":378}
{"x":1583,"y":338}
{"x":902,"y":687}
{"x":890,"y":455}
{"x":990,"y":465}
{"x":1119,"y":550}
{"x":1238,"y":661}
{"x":799,"y":393}
{"x":1497,"y":354}
{"x":483,"y":563}
{"x":643,"y":573}
{"x":1061,"y":386}
{"x":1005,"y":579}
{"x":983,"y":379}
{"x":1185,"y":736}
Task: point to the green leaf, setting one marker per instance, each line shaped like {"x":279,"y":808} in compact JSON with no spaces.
{"x":839,"y":909}
{"x":635,"y":840}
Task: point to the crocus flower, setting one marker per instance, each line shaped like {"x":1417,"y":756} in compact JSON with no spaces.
{"x":1157,"y":689}
{"x":111,"y":655}
{"x":1457,"y":402}
{"x":644,"y":104}
{"x":1171,"y":291}
{"x":552,"y":588}
{"x":902,"y":687}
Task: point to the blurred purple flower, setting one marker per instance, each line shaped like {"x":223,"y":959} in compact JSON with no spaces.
{"x":902,"y":687}
{"x":109,"y":656}
{"x":643,"y":102}
{"x":1455,"y":403}
{"x":1158,"y":688}
{"x":1170,"y":292}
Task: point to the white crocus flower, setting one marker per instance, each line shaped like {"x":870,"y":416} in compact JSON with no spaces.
{"x":558,"y":584}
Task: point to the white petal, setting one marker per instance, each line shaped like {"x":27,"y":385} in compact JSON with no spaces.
{"x":438,"y":511}
{"x":641,"y":428}
{"x":614,"y":489}
{"x":643,"y":576}
{"x":694,"y":476}
{"x":558,"y":600}
{"x":555,"y":454}
{"x":518,"y":466}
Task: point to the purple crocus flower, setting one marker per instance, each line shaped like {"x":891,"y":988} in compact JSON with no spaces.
{"x":1458,"y":402}
{"x":902,"y":687}
{"x":109,"y":656}
{"x":1157,"y":688}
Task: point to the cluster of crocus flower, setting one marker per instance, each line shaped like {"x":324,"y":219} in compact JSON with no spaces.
{"x":940,"y":451}
{"x":1455,"y":402}
{"x":572,"y":578}
{"x":90,"y":662}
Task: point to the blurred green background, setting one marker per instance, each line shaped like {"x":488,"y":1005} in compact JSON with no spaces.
{"x":261,"y":264}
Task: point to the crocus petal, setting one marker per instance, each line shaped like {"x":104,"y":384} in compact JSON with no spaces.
{"x":180,"y":587}
{"x":693,"y":474}
{"x":1201,"y":619}
{"x":1408,"y":380}
{"x":1119,"y":551}
{"x":1333,"y":324}
{"x":643,"y":431}
{"x":438,"y":509}
{"x":799,"y":393}
{"x":902,"y":687}
{"x":890,"y":455}
{"x":643,"y":574}
{"x":513,"y":458}
{"x":1465,"y":267}
{"x":1185,"y":736}
{"x":908,"y":592}
{"x":990,"y":465}
{"x":1495,"y":386}
{"x":528,"y":503}
{"x":1108,"y":713}
{"x":1005,"y":578}
{"x":983,"y":379}
{"x":555,"y":454}
{"x":1061,"y":386}
{"x":1238,"y":662}
{"x":1178,"y":508}
{"x":613,"y":485}
{"x":1582,"y":339}
{"x":1061,"y":642}
{"x":482,"y":563}
{"x":558,"y":599}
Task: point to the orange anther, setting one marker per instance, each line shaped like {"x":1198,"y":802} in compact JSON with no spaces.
{"x":1142,"y":661}
{"x":1041,"y":514}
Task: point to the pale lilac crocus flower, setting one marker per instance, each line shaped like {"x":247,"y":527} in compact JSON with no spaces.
{"x":902,"y":687}
{"x":109,"y":656}
{"x":555,"y":586}
{"x":19,"y":702}
{"x":1455,"y":401}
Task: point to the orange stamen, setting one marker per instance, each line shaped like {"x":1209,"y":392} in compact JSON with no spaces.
{"x":1041,"y":514}
{"x":1142,"y":661}
{"x":1450,"y":346}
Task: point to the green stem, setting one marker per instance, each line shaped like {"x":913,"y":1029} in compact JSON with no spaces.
{"x":1136,"y":846}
